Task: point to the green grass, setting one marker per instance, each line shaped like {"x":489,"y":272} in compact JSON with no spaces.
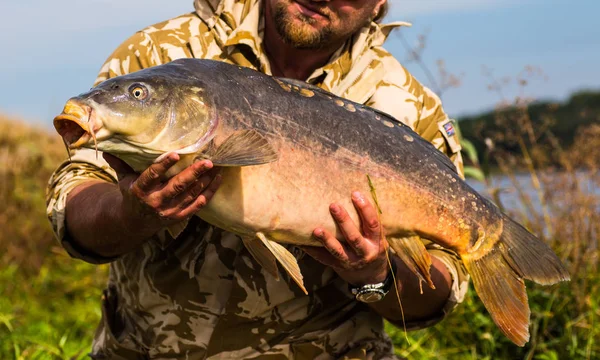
{"x":50,"y":304}
{"x":560,"y":330}
{"x":51,"y":315}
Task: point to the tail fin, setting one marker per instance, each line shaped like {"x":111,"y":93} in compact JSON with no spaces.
{"x":498,"y":277}
{"x":530,"y":257}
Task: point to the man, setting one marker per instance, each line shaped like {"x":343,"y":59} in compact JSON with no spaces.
{"x":202,"y":295}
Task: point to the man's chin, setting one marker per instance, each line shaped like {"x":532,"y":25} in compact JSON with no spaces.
{"x":304,"y":39}
{"x":299,"y":31}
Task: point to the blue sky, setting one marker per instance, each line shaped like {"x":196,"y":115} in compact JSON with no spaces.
{"x":52,"y":50}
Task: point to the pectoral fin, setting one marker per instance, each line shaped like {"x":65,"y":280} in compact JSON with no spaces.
{"x":263,"y":256}
{"x":285,"y":258}
{"x":243,"y":148}
{"x":413,"y":253}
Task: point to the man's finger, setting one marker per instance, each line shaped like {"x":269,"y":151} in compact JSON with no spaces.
{"x":371,"y":227}
{"x":351,"y":233}
{"x":333,"y":245}
{"x":321,"y":255}
{"x":203,"y":199}
{"x":154,"y":174}
{"x":191,"y":194}
{"x":189,"y":177}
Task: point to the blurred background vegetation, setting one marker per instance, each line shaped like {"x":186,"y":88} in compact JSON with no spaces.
{"x":49,"y":304}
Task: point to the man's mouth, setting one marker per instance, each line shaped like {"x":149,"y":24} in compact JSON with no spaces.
{"x":309,"y":11}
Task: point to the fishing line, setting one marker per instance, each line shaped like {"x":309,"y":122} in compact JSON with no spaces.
{"x":68,"y":150}
{"x":387,"y":255}
{"x":93,"y":133}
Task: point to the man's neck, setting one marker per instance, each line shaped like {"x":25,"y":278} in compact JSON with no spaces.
{"x":287,"y":61}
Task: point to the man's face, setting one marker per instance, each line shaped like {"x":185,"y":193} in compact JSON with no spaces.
{"x":312,"y":24}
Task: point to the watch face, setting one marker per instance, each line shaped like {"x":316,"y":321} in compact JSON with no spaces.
{"x":368,"y":297}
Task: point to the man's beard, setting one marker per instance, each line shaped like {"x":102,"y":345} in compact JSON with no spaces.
{"x":300,"y":37}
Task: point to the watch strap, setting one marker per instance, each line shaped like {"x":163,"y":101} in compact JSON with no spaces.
{"x":381,"y":288}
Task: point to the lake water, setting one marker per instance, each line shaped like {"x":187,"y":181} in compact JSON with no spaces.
{"x":510,"y":198}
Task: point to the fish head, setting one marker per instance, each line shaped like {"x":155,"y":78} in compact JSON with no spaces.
{"x":139,"y":116}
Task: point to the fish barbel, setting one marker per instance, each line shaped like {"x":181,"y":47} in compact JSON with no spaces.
{"x":287,"y":150}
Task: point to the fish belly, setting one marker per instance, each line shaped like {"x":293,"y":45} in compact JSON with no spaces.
{"x":286,"y":200}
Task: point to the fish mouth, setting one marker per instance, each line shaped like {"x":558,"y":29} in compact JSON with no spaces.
{"x":74,"y":124}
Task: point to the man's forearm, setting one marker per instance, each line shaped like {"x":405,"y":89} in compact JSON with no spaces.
{"x":95,"y":221}
{"x":111,"y":220}
{"x":416,"y":306}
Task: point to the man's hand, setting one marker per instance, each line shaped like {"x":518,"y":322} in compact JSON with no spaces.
{"x":152,"y":202}
{"x":110,"y":221}
{"x":362,"y":258}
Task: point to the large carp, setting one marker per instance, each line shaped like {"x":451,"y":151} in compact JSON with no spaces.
{"x":310,"y":149}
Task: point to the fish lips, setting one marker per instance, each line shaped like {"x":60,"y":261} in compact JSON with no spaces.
{"x":73,"y":124}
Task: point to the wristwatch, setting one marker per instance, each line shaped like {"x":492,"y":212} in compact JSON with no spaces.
{"x":374,"y":292}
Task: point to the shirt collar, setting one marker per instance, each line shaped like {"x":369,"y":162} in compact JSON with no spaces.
{"x":244,"y":25}
{"x":209,"y":10}
{"x":250,"y":30}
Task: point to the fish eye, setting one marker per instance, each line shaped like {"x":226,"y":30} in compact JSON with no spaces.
{"x":138,"y":91}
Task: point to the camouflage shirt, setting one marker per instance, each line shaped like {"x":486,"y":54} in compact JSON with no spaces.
{"x":202,"y":295}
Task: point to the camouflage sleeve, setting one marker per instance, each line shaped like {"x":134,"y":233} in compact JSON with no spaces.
{"x":403,"y":97}
{"x":83,"y":167}
{"x":134,"y":54}
{"x":460,"y":285}
{"x":436,"y":127}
